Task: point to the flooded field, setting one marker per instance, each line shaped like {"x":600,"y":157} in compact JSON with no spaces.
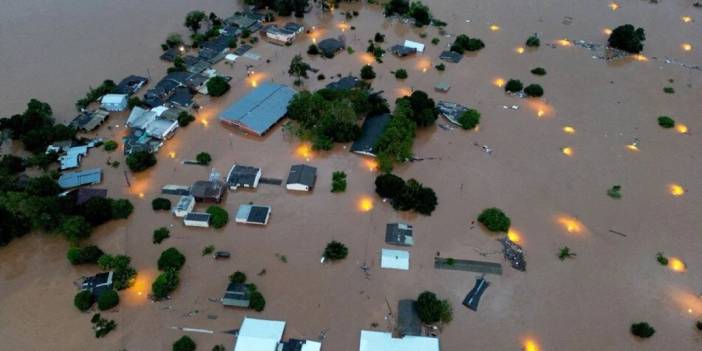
{"x":54,"y":51}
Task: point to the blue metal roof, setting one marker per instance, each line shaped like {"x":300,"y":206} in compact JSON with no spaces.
{"x":75,"y":179}
{"x":259,"y":110}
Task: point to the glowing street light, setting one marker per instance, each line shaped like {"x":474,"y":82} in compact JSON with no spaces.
{"x":499,"y":82}
{"x":640,"y":58}
{"x":514,"y":235}
{"x":681,"y":128}
{"x":686,"y":46}
{"x":568,"y":151}
{"x":530,"y":345}
{"x":633,"y":147}
{"x":607,"y":31}
{"x":676,"y":265}
{"x":494,"y":28}
{"x":172,"y":154}
{"x":565,"y":42}
{"x":676,"y":190}
{"x":540,"y":113}
{"x":365,"y":204}
{"x":613,"y":6}
{"x":372,"y":165}
{"x":569,"y":130}
{"x":519,"y":50}
{"x":570,"y":224}
{"x":141,"y":195}
{"x":686,"y":19}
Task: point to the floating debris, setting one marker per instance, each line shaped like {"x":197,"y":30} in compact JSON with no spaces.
{"x":513,"y":253}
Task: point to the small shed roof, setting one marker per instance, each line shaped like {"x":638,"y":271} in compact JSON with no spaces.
{"x":130,"y":85}
{"x":401,"y":50}
{"x":88,"y":121}
{"x":237,"y":295}
{"x":399,"y":234}
{"x":198,"y":217}
{"x":473,"y":298}
{"x":371,"y":131}
{"x":380,"y":341}
{"x":302,"y":174}
{"x":394,"y":259}
{"x":114,"y":99}
{"x":346,"y":83}
{"x":253,"y":214}
{"x":259,"y":335}
{"x":415,"y":45}
{"x":76,"y":179}
{"x":260,"y":109}
{"x":330,"y":46}
{"x":207,"y":190}
{"x":451,"y":56}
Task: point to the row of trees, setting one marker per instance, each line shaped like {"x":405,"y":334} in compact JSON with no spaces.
{"x":36,"y":128}
{"x":416,"y":10}
{"x":282,"y":7}
{"x":406,"y":196}
{"x":329,"y":116}
{"x":465,"y":43}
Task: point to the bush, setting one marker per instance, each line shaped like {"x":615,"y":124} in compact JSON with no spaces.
{"x":121,"y":208}
{"x":627,"y":38}
{"x":534,"y":90}
{"x":84,"y":300}
{"x":161,"y":203}
{"x":435,"y":41}
{"x":110,"y":145}
{"x":321,"y":77}
{"x":107,"y":300}
{"x":335,"y":251}
{"x":238,"y":277}
{"x":432,"y":310}
{"x":185,"y":118}
{"x":464,"y":43}
{"x":88,"y":254}
{"x":469,"y":119}
{"x":219,"y":216}
{"x":184,"y":344}
{"x":75,"y":228}
{"x":642,"y":330}
{"x":256,"y":301}
{"x":164,"y":284}
{"x":367,"y":72}
{"x":338,"y":182}
{"x":161,"y":234}
{"x":171,"y":259}
{"x":217,"y":86}
{"x":379,"y":38}
{"x":669,"y":90}
{"x":401,"y":73}
{"x":614,"y":193}
{"x":538,"y":71}
{"x":495,"y":220}
{"x":440,"y":67}
{"x":514,"y":86}
{"x":533,"y":41}
{"x":666,"y":122}
{"x":139,"y":161}
{"x":124,"y":274}
{"x":203,"y":158}
{"x":102,"y":326}
{"x":661,"y":259}
{"x":313,"y":50}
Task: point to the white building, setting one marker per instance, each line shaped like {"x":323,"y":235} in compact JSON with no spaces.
{"x":301,"y":178}
{"x":114,"y":102}
{"x":280,"y":34}
{"x":415,"y":45}
{"x":184,"y":206}
{"x":266,"y":335}
{"x":243,"y":176}
{"x":161,"y":129}
{"x":380,"y":341}
{"x":197,"y":219}
{"x":253,"y":214}
{"x":394,"y":259}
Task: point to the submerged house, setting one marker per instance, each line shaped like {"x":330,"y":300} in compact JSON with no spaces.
{"x":371,"y":131}
{"x":85,"y":194}
{"x":89,"y":120}
{"x":266,"y":335}
{"x":138,"y":140}
{"x":185,"y":205}
{"x":399,"y":234}
{"x":76,"y":179}
{"x":408,"y":322}
{"x":301,"y":178}
{"x":418,"y":47}
{"x":208,"y":191}
{"x":114,"y":102}
{"x":330,"y":46}
{"x":197,"y":219}
{"x":98,"y":283}
{"x":245,"y":21}
{"x":381,"y":341}
{"x":394,"y":259}
{"x":346,"y":83}
{"x":215,"y":49}
{"x":451,"y":56}
{"x":260,"y":109}
{"x":253,"y":214}
{"x":243,"y":176}
{"x":402,"y":51}
{"x":130,"y":85}
{"x":237,"y":295}
{"x":451,"y":111}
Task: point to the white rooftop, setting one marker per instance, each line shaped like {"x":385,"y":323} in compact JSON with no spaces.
{"x":415,"y":45}
{"x":140,"y":118}
{"x":379,"y":341}
{"x":113,"y":98}
{"x":394,"y":259}
{"x":259,"y":335}
{"x":311,"y":346}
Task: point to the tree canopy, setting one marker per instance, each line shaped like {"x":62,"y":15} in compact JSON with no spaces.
{"x":219,"y":216}
{"x":495,"y":220}
{"x":141,"y":160}
{"x":469,"y":119}
{"x":171,"y":259}
{"x":335,"y":251}
{"x":217,"y":86}
{"x":627,"y":38}
{"x":406,"y":196}
{"x":423,"y":108}
{"x":432,"y":310}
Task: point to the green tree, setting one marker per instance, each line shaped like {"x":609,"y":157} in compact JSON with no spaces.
{"x":161,"y":203}
{"x":165,"y":283}
{"x":298,"y":69}
{"x":367,"y":72}
{"x":495,"y":220}
{"x":256,"y":301}
{"x":514,"y":86}
{"x":397,"y":7}
{"x":184,"y":344}
{"x":469,"y":119}
{"x":313,"y":50}
{"x":379,"y":38}
{"x":110,"y":145}
{"x":423,"y":108}
{"x":171,"y":259}
{"x":217,"y":86}
{"x":107,"y":300}
{"x":335,"y":251}
{"x":161,"y":234}
{"x":389,"y":185}
{"x":193,"y":20}
{"x":642,"y":330}
{"x":203,"y":158}
{"x":564,"y":253}
{"x":401,"y":73}
{"x":534,"y":90}
{"x":83,"y":300}
{"x":539,"y":71}
{"x":666,"y":122}
{"x":420,"y":13}
{"x":432,"y":310}
{"x":88,"y":254}
{"x":533,"y":41}
{"x":139,"y":161}
{"x":238,"y":277}
{"x":219,"y":217}
{"x":338,"y":182}
{"x":465,"y":43}
{"x":121,"y":208}
{"x":184,"y":118}
{"x":627,"y":38}
{"x":75,"y":228}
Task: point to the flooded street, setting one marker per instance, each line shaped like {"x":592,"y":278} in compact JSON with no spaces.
{"x":54,"y":51}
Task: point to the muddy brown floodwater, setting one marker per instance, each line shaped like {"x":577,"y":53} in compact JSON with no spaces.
{"x":55,"y":50}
